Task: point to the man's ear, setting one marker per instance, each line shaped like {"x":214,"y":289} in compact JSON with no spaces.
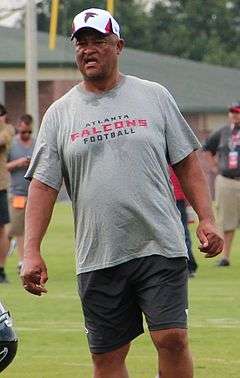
{"x":120,"y":45}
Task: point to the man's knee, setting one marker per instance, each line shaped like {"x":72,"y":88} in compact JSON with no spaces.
{"x":114,"y":358}
{"x":175,"y":339}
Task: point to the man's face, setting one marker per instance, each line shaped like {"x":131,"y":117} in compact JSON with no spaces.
{"x":24,"y":131}
{"x":234,"y":118}
{"x":97,"y":54}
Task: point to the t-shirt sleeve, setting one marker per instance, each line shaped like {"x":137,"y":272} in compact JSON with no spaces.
{"x":180,"y":139}
{"x":45,"y":163}
{"x":212,"y":143}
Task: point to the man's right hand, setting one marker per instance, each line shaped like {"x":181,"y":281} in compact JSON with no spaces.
{"x":34,"y":275}
{"x":23,"y":162}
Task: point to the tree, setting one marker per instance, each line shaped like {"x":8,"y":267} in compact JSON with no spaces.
{"x":196,"y":29}
{"x":202,"y":30}
{"x":134,"y":21}
{"x":67,"y":10}
{"x":130,"y":14}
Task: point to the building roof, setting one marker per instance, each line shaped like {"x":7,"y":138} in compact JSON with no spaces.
{"x":197,"y":87}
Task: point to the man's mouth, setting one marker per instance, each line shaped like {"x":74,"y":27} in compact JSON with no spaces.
{"x":90,"y":62}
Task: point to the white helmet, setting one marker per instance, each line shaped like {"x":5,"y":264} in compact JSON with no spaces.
{"x":8,"y":339}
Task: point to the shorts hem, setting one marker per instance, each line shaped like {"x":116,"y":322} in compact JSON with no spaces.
{"x":110,"y":348}
{"x":168,"y":326}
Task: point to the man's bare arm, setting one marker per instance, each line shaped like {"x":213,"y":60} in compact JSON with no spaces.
{"x":212,"y":161}
{"x":196,"y":189}
{"x":18,"y":163}
{"x":41,"y":200}
{"x":195,"y":185}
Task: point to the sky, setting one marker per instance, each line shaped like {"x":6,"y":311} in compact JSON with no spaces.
{"x":13,"y":20}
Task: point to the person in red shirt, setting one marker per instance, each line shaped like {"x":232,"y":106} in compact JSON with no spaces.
{"x":181,"y":203}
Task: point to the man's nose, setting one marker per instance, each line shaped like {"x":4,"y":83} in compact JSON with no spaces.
{"x":90,"y":45}
{"x":89,"y":49}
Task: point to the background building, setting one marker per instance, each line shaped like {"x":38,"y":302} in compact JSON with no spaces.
{"x":202,"y":91}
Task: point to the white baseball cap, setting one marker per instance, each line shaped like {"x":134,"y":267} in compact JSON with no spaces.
{"x":98,"y":19}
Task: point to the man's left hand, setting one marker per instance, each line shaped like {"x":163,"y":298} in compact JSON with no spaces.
{"x":210,"y":238}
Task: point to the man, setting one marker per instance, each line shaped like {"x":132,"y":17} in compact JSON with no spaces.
{"x":111,"y":138}
{"x":6,"y":134}
{"x":225,"y":145}
{"x":18,"y":161}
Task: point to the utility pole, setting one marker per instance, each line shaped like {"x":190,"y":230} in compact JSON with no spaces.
{"x":31,"y":63}
{"x":53,"y":24}
{"x":110,"y":6}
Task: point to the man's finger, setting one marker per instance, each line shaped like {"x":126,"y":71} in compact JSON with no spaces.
{"x":44,"y":278}
{"x":203,"y":239}
{"x":212,"y":254}
{"x":215,"y":244}
{"x":35,"y":289}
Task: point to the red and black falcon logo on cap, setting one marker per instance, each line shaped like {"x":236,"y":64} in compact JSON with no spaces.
{"x":88,"y":15}
{"x":108,"y":27}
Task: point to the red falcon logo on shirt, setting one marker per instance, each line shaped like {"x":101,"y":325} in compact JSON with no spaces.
{"x":88,"y":15}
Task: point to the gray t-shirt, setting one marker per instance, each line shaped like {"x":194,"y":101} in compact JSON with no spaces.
{"x":19,"y":186}
{"x":113,"y":151}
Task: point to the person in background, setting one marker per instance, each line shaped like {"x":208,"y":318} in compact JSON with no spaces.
{"x":181,"y":203}
{"x":6,"y":135}
{"x":110,"y":139}
{"x":18,"y":161}
{"x":223,"y":152}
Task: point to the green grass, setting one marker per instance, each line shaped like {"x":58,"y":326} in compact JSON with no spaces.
{"x":52,"y":341}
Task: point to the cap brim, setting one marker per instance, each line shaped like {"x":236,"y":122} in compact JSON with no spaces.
{"x":87,"y":27}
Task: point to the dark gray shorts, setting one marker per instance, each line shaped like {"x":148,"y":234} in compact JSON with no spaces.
{"x":115,"y":299}
{"x":4,"y":214}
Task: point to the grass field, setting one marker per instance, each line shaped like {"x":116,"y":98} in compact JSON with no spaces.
{"x":52,"y":341}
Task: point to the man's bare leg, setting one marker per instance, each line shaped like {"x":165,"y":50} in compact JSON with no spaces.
{"x":4,"y":245}
{"x":228,"y":238}
{"x":173,"y":353}
{"x":111,"y":364}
